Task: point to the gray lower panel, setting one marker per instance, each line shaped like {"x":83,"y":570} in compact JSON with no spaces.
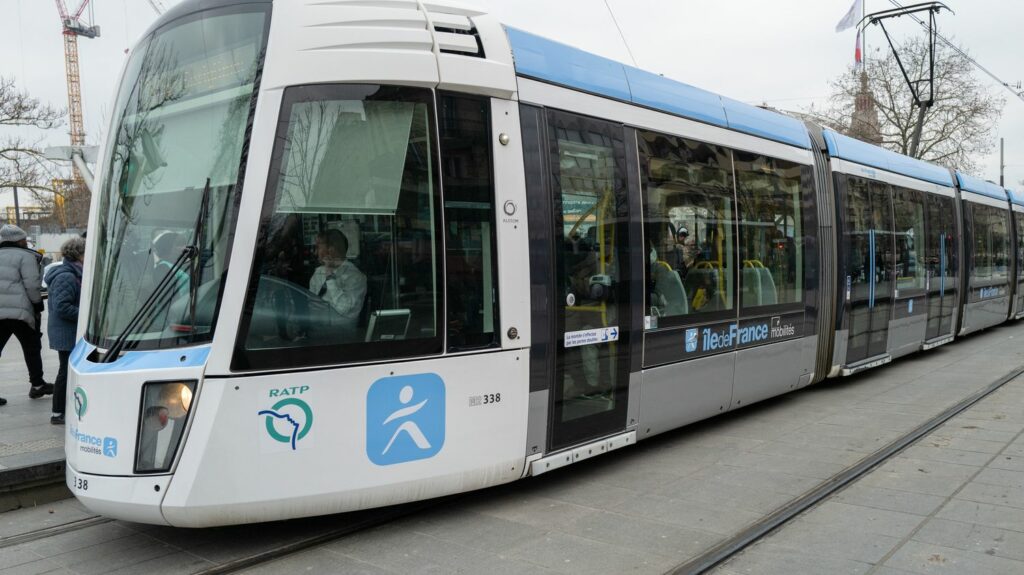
{"x":982,"y":314}
{"x":839,"y":355}
{"x":537,"y":422}
{"x":681,"y":393}
{"x":906,"y":334}
{"x":767,"y":371}
{"x":633,"y":407}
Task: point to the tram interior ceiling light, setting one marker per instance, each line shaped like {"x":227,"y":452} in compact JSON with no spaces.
{"x":165,"y":409}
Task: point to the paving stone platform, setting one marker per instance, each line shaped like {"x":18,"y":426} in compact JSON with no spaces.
{"x":26,"y":435}
{"x":952,"y":503}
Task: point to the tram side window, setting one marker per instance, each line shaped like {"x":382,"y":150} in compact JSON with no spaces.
{"x":348,"y":251}
{"x":910,"y":239}
{"x":771,"y":229}
{"x":689,"y":230}
{"x":1018,"y":219}
{"x":991,"y":245}
{"x":472,"y":265}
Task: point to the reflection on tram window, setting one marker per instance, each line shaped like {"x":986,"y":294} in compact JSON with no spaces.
{"x":350,"y":253}
{"x":176,"y":144}
{"x":991,"y":245}
{"x":688,"y":207}
{"x":908,"y":208}
{"x":593,"y":231}
{"x":1018,"y":219}
{"x":471,"y":261}
{"x":771,"y":229}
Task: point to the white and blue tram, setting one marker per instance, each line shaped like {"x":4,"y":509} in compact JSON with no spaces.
{"x":348,"y":254}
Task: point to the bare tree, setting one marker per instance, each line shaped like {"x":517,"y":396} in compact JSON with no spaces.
{"x":958,"y":128}
{"x":21,"y":159}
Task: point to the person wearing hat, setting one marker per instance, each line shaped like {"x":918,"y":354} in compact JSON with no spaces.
{"x":21,"y":303}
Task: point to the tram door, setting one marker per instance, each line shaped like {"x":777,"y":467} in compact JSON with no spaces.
{"x":941,"y":256}
{"x":589,"y":394}
{"x":869,"y":253}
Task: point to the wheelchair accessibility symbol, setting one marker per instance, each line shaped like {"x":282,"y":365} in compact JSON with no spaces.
{"x":405,"y":418}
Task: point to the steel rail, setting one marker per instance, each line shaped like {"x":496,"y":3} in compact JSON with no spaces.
{"x":52,"y":531}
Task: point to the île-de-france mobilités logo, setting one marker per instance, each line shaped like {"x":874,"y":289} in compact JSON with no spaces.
{"x":405,"y":418}
{"x":289,"y":419}
{"x":81,"y":402}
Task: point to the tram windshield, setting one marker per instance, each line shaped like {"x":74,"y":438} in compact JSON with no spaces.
{"x":174,"y":162}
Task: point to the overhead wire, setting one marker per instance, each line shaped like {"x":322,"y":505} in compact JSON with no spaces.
{"x":621,"y":35}
{"x":965,"y":55}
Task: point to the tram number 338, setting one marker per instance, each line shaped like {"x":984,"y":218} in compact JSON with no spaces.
{"x":485,"y":399}
{"x":81,"y":484}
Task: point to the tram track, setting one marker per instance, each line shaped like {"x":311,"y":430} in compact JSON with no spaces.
{"x":53,"y":530}
{"x":722,"y":552}
{"x":373,"y":518}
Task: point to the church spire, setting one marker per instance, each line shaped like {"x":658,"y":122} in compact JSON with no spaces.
{"x":864,"y":124}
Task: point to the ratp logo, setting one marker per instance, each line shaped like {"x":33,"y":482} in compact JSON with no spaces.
{"x":691,"y":340}
{"x":81,"y":402}
{"x":290,"y":419}
{"x":405,"y":418}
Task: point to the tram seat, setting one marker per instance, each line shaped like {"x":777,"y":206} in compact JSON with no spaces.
{"x":670,"y":295}
{"x":703,"y":279}
{"x":753,"y":292}
{"x":769,"y":295}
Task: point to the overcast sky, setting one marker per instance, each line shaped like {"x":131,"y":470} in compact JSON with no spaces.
{"x":780,"y":52}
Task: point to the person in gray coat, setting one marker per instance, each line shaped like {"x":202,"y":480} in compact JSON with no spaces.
{"x":21,"y":303}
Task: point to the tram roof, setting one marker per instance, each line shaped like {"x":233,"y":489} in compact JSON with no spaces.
{"x":979,"y":186}
{"x":550,"y":61}
{"x":1015,"y":197}
{"x":847,"y":148}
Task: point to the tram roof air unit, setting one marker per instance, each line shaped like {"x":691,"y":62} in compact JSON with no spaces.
{"x":847,"y":148}
{"x":550,"y":61}
{"x":979,"y":186}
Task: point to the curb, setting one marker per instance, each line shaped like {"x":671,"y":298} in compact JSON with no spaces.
{"x":30,"y":485}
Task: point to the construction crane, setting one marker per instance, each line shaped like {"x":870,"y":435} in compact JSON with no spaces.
{"x":72,"y":28}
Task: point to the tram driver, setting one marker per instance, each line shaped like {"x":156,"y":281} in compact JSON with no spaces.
{"x":337,"y":280}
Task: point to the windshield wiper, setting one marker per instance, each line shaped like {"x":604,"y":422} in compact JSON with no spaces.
{"x":197,"y":264}
{"x":189,"y":253}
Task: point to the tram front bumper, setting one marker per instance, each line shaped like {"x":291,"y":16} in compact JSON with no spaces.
{"x":129,"y":498}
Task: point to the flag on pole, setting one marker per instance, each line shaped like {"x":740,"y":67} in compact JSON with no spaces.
{"x":852,"y":17}
{"x":857,"y":56}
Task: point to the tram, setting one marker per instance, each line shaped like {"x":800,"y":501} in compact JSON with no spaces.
{"x":346,"y":255}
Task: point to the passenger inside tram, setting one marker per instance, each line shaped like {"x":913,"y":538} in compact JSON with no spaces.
{"x":337,"y":280}
{"x":667,"y":295}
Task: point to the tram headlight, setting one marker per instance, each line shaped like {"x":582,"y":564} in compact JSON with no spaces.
{"x":165,"y":409}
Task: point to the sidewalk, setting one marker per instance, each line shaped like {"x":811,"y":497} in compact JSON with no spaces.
{"x":26,"y":435}
{"x":952,"y":503}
